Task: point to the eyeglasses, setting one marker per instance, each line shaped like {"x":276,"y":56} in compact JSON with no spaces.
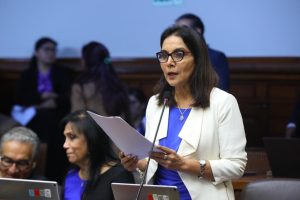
{"x":20,"y":164}
{"x":48,"y":49}
{"x":176,"y":55}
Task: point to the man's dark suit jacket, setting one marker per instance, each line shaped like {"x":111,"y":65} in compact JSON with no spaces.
{"x":220,"y":64}
{"x":295,"y":118}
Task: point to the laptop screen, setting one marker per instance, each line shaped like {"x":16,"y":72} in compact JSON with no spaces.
{"x":126,"y":191}
{"x":25,"y":189}
{"x":283,"y":156}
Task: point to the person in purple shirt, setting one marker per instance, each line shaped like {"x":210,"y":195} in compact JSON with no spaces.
{"x":45,"y":86}
{"x":94,"y":166}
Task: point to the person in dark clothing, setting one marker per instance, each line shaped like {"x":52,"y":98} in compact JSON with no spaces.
{"x":138,"y":103}
{"x":94,"y":165}
{"x":45,"y":87}
{"x":293,"y":126}
{"x":217,"y":58}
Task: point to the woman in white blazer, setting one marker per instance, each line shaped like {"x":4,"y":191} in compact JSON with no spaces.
{"x":201,"y":136}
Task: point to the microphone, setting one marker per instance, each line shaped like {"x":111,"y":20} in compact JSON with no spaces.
{"x":166,"y":95}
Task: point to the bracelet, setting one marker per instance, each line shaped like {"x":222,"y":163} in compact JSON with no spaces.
{"x":202,"y":168}
{"x":141,"y":173}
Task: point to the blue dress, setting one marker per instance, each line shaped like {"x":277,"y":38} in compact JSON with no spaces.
{"x":171,"y":177}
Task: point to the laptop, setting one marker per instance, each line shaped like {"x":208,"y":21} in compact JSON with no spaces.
{"x":283,"y":155}
{"x":25,"y":189}
{"x":126,"y":191}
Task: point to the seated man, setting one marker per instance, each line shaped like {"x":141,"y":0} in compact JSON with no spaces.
{"x":19,"y":148}
{"x":293,"y":126}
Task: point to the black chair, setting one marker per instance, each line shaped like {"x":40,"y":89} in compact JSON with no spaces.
{"x":272,"y":189}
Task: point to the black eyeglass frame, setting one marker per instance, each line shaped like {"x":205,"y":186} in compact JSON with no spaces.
{"x":20,"y":164}
{"x":172,"y":55}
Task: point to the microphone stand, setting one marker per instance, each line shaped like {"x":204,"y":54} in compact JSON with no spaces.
{"x":166,"y":95}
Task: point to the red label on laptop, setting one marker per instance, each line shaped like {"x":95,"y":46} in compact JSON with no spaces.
{"x":37,"y":192}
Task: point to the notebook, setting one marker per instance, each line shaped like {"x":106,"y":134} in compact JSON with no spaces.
{"x":126,"y":191}
{"x":283,"y":155}
{"x":24,"y":189}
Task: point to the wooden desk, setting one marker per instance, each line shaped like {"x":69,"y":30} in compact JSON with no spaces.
{"x":239,"y":184}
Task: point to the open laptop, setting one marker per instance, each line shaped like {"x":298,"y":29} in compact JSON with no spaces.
{"x":283,"y":155}
{"x":126,"y":191}
{"x":24,"y":189}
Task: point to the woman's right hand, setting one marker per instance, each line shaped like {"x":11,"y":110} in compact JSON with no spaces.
{"x":129,"y":162}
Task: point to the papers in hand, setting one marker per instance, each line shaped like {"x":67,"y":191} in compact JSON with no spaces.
{"x":127,"y":139}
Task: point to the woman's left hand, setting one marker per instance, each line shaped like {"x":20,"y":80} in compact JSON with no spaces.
{"x":168,"y":158}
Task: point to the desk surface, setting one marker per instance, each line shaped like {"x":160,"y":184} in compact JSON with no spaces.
{"x":239,"y":184}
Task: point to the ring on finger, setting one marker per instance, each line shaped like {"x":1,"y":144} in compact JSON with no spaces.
{"x":165,"y":157}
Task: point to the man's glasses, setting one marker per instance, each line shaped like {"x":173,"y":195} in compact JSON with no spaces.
{"x":48,"y":49}
{"x":20,"y":164}
{"x":176,"y":55}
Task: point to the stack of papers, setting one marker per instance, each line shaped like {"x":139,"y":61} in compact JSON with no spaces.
{"x":125,"y":137}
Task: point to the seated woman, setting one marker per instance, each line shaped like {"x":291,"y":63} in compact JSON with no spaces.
{"x":98,"y":88}
{"x":94,"y":166}
{"x":45,"y":87}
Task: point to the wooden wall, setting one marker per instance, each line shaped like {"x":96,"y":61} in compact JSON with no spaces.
{"x":266,"y":88}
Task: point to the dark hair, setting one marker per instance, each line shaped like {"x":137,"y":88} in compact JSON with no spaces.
{"x":95,"y":54}
{"x":203,"y":79}
{"x":99,"y":69}
{"x":196,"y":22}
{"x":42,"y":41}
{"x":38,"y":44}
{"x":98,"y":143}
{"x":138,"y":94}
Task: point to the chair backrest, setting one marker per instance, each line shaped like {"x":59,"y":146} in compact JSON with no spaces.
{"x":272,"y":189}
{"x":41,"y":160}
{"x":258,"y":162}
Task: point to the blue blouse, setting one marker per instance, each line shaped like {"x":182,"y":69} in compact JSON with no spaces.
{"x":72,"y":182}
{"x":171,"y":177}
{"x":45,"y":82}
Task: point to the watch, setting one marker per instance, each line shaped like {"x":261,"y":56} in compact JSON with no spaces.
{"x":202,"y":168}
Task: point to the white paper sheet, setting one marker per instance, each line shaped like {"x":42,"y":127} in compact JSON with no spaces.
{"x":127,"y":139}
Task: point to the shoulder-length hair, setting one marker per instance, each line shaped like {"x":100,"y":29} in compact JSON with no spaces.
{"x":203,"y":78}
{"x":98,"y":144}
{"x":99,"y":69}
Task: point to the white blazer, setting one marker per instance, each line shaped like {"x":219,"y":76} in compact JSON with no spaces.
{"x":216,"y":134}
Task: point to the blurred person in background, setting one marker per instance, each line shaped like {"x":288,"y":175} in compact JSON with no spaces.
{"x":138,"y":103}
{"x":43,"y":99}
{"x":293,"y":126}
{"x":217,"y":58}
{"x":98,"y":88}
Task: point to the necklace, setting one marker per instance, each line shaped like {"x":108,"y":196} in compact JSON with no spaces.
{"x":181,"y":114}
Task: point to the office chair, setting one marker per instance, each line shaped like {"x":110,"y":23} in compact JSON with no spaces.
{"x":272,"y":189}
